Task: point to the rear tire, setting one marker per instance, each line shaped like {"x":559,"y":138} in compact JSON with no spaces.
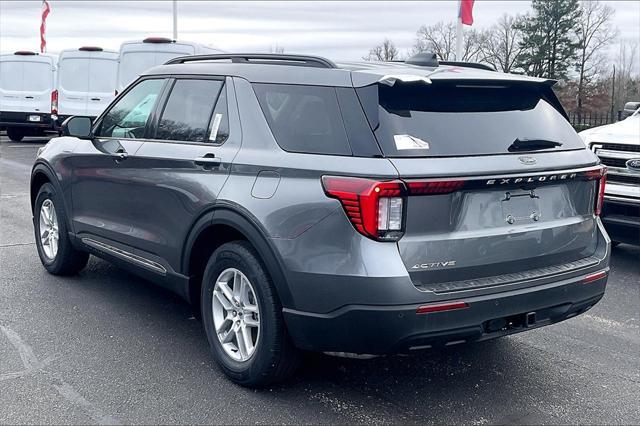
{"x":56,"y":252}
{"x":271,"y":356}
{"x":15,"y":134}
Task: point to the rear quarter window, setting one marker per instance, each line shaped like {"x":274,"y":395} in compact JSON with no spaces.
{"x":304,"y":119}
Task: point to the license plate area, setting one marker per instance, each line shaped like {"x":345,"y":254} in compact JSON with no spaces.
{"x":521,"y":206}
{"x":34,"y":118}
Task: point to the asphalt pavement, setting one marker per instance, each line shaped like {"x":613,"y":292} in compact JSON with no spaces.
{"x":108,"y":347}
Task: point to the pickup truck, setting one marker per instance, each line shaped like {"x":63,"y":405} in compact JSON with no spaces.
{"x":618,"y":146}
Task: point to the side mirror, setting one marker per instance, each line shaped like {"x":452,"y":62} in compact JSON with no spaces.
{"x":76,"y":126}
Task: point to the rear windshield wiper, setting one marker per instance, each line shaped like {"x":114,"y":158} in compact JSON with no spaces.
{"x":532,"y":144}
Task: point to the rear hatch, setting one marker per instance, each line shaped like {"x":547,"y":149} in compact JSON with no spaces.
{"x":136,"y":58}
{"x":26,"y":83}
{"x":501,"y":188}
{"x":87,"y":82}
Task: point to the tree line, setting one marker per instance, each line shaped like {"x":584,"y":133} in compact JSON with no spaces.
{"x":565,"y":40}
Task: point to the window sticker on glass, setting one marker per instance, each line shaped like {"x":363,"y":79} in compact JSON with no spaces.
{"x":409,"y":142}
{"x":214,"y":127}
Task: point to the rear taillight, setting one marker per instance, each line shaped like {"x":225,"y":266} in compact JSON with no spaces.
{"x":374,"y":208}
{"x":599,"y":174}
{"x":432,"y":187}
{"x":600,"y":198}
{"x":54,"y":102}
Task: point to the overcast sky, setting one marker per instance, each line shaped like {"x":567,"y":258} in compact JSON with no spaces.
{"x":339,"y":30}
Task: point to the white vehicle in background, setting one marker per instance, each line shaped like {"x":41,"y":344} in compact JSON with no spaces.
{"x":618,"y":146}
{"x":138,"y":56}
{"x":86,"y":81}
{"x":27,"y":94}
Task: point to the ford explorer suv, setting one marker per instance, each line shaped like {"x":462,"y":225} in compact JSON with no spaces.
{"x":618,"y":146}
{"x":359,"y":208}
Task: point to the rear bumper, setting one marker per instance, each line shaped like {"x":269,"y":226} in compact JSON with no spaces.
{"x":378,"y":315}
{"x":390,"y":329}
{"x":21,"y":119}
{"x":621,"y":217}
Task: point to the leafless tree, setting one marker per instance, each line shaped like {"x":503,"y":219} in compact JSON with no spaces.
{"x":627,"y":80}
{"x":441,"y":40}
{"x":386,"y":51}
{"x":276,"y":49}
{"x":594,"y":34}
{"x":502,"y":43}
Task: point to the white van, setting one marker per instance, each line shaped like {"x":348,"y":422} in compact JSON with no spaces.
{"x":138,"y":56}
{"x":27,"y":93}
{"x":86,"y":81}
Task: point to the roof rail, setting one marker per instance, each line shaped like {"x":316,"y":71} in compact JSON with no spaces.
{"x":262,"y":58}
{"x":463,"y":64}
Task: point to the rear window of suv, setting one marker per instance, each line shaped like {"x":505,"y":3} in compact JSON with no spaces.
{"x":457,"y":119}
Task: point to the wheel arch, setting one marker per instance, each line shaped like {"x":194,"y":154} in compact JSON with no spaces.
{"x":40,"y":175}
{"x":228,"y":222}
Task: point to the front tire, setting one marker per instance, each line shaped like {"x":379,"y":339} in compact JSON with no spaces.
{"x":56,"y":252}
{"x":15,"y":134}
{"x":242,"y":317}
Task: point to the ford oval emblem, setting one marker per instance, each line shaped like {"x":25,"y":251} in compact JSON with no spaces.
{"x":633,"y":164}
{"x":527,"y":160}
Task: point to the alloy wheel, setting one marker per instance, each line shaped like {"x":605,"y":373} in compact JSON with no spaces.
{"x":49,"y":235}
{"x":236,"y":315}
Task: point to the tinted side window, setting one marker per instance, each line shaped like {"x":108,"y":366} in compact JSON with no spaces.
{"x":128,"y":117}
{"x":188,"y":110}
{"x":304,"y":118}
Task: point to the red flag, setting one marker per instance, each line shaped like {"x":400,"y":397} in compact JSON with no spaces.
{"x":466,"y":12}
{"x":43,"y":26}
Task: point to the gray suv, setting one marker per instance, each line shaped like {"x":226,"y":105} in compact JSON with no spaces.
{"x":362,"y":208}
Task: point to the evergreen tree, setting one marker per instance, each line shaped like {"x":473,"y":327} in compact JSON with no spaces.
{"x":549,"y":41}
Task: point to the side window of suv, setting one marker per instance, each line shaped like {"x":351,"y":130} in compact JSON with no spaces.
{"x":196,"y":111}
{"x":127,"y":119}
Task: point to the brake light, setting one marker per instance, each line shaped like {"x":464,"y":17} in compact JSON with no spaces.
{"x":374,"y":208}
{"x":54,"y":102}
{"x":157,"y":40}
{"x":599,"y":174}
{"x":600,"y":198}
{"x":439,"y":307}
{"x":90,"y":49}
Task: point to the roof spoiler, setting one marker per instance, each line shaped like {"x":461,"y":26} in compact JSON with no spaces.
{"x":464,"y":64}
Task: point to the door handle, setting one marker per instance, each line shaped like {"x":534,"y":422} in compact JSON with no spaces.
{"x":28,"y":97}
{"x":120,"y":155}
{"x":95,"y":99}
{"x":208,"y":161}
